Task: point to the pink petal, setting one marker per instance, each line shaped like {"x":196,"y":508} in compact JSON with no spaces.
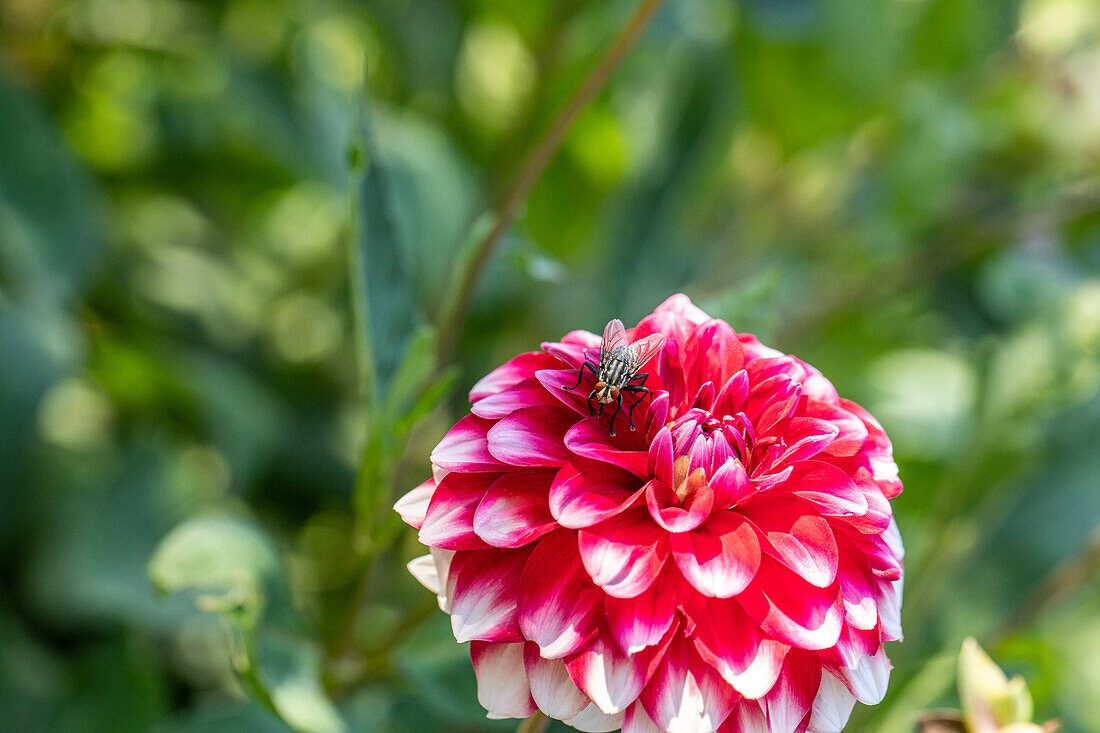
{"x":878,"y":451}
{"x":806,"y":437}
{"x":661,"y":501}
{"x":828,"y":488}
{"x":571,"y":348}
{"x":791,"y":610}
{"x":511,"y":373}
{"x":730,"y":484}
{"x":502,"y":687}
{"x":789,"y":702}
{"x":641,"y":622}
{"x":591,"y":439}
{"x":414,"y":505}
{"x":686,"y":694}
{"x":558,"y":384}
{"x":449,"y":521}
{"x":857,"y":586}
{"x":610,"y":678}
{"x":713,"y":353}
{"x":851,"y":431}
{"x":719,"y":558}
{"x":551,"y":687}
{"x":732,"y":395}
{"x":527,"y":393}
{"x":624,"y":554}
{"x":514,"y":510}
{"x":465,"y":447}
{"x":485,"y":596}
{"x":559,"y":607}
{"x":532,"y":436}
{"x":730,"y":641}
{"x":662,"y":456}
{"x":832,"y":706}
{"x":585,"y":492}
{"x":796,"y":536}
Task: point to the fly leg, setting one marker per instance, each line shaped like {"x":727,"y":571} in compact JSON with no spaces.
{"x":618,"y":409}
{"x":591,"y":396}
{"x":580,"y":375}
{"x":640,"y":389}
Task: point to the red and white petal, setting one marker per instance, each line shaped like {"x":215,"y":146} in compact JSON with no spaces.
{"x":888,"y":598}
{"x":791,"y":610}
{"x":624,"y":554}
{"x":637,"y":720}
{"x":585,"y":492}
{"x":663,"y":505}
{"x":449,"y":520}
{"x":502,"y":686}
{"x":559,"y":607}
{"x":514,"y":510}
{"x":531,"y":436}
{"x":869,"y":678}
{"x":465,"y":447}
{"x":747,"y":717}
{"x":485,"y":596}
{"x":551,"y":687}
{"x":511,"y":373}
{"x":797,"y":536}
{"x":591,"y":438}
{"x":731,"y":642}
{"x":641,"y":622}
{"x":414,"y":505}
{"x":832,"y":706}
{"x":594,"y":720}
{"x":721,"y":557}
{"x":686,"y":695}
{"x":611,"y":679}
{"x":858,"y":586}
{"x":790,"y":700}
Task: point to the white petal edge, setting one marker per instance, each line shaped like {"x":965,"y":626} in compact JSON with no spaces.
{"x":413,"y":506}
{"x":832,"y":706}
{"x":426,"y":572}
{"x":443,"y":560}
{"x":869,"y":679}
{"x":594,"y":720}
{"x":553,"y":689}
{"x":888,"y":599}
{"x":502,"y":686}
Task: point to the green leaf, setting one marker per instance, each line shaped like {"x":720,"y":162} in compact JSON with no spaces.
{"x":389,"y":297}
{"x":226,"y":560}
{"x":49,"y":213}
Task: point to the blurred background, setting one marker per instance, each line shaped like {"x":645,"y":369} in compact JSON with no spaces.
{"x":230,"y":230}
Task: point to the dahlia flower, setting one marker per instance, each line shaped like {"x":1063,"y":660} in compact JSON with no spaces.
{"x":730,"y":565}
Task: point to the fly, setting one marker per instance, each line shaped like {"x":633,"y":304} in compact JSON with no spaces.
{"x":617,"y":371}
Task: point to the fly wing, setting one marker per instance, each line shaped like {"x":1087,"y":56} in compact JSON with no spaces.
{"x":646,"y":348}
{"x":614,"y":334}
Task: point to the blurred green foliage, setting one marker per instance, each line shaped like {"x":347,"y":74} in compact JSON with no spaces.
{"x":226,"y":229}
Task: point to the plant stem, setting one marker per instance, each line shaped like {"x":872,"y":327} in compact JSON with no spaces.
{"x":537,"y":723}
{"x":459,"y":295}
